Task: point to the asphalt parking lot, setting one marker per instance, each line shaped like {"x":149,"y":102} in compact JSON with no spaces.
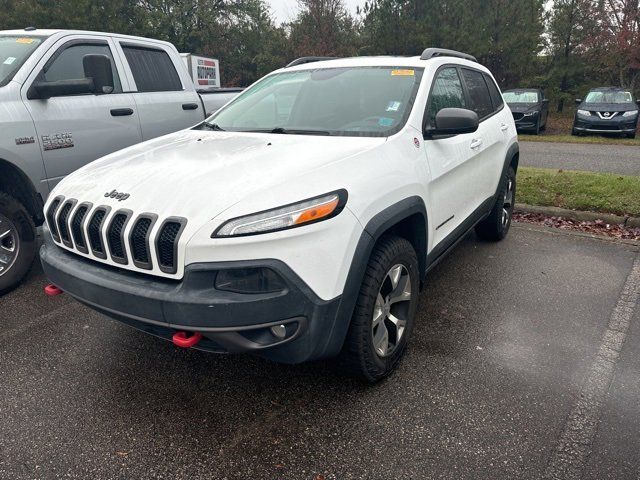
{"x":620,"y":159}
{"x":524,"y":364}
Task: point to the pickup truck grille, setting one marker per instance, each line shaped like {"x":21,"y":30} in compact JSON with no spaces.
{"x":97,"y":233}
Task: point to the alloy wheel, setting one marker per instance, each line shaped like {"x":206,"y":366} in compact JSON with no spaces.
{"x":391,"y":310}
{"x":9,"y":244}
{"x":507,"y":205}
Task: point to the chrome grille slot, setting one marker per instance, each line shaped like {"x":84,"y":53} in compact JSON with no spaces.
{"x":95,"y":232}
{"x":77,"y":232}
{"x":51,"y":218}
{"x":63,"y":227}
{"x":167,"y":243}
{"x":115,"y":236}
{"x":139,"y":241}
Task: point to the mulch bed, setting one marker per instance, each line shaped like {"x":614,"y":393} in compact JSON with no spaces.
{"x":597,"y":227}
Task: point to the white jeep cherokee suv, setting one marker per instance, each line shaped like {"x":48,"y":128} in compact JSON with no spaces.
{"x":300,"y":220}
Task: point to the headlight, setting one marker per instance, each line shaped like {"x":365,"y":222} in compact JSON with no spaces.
{"x":290,"y":216}
{"x":586,"y":113}
{"x":632,"y":113}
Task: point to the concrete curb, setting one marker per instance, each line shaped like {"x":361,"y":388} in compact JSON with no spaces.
{"x":580,"y":216}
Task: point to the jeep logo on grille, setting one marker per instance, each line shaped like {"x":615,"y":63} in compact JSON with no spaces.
{"x":117,"y":195}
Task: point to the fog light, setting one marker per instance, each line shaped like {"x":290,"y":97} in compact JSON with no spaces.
{"x":279,"y":331}
{"x":249,"y":280}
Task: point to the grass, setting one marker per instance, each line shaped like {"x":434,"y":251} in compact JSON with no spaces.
{"x":595,"y":192}
{"x":591,"y":139}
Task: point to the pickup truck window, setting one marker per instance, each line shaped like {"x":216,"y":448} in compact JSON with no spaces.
{"x":352,"y":101}
{"x":14,"y":51}
{"x":153,"y":70}
{"x":67,"y":65}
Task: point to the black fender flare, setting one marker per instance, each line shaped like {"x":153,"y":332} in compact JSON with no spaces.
{"x":375,"y":228}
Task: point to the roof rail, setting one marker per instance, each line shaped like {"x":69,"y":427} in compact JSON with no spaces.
{"x":430,"y":53}
{"x":303,"y":60}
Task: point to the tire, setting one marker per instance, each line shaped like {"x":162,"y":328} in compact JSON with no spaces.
{"x":18,"y":242}
{"x":366,"y":353}
{"x":496,"y":226}
{"x":574,"y":132}
{"x":536,"y":130}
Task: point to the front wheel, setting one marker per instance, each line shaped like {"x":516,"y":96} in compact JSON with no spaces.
{"x":496,"y":226}
{"x":385,"y":311}
{"x":17,"y":242}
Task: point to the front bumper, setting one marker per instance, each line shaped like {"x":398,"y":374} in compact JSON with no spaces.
{"x":229,"y":322}
{"x":594,"y":124}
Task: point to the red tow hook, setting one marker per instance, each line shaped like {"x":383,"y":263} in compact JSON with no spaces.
{"x":52,"y":290}
{"x":181,"y":340}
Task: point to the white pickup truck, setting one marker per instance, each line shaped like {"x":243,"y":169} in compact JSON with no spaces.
{"x":70,"y":97}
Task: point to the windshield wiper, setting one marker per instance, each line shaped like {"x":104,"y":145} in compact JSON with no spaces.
{"x":213,"y":126}
{"x":288,"y":131}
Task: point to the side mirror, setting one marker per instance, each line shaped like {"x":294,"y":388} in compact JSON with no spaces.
{"x":638,"y":102}
{"x":546,"y":100}
{"x":98,"y":69}
{"x":42,"y":90}
{"x":578,"y":101}
{"x":454,"y":121}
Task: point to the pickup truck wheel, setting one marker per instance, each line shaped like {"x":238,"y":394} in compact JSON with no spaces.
{"x":496,"y":226}
{"x":17,"y":242}
{"x":385,"y":310}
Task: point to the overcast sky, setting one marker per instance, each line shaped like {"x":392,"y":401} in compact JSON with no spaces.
{"x":285,"y":10}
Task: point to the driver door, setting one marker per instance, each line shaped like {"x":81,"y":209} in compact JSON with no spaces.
{"x":74,"y":130}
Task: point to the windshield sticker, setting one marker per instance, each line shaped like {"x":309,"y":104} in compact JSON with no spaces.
{"x":393,"y":106}
{"x":403,"y":73}
{"x":24,"y":40}
{"x":385,"y":122}
{"x":9,"y":60}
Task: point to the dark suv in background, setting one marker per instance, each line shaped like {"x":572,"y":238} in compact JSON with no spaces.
{"x":607,"y":110}
{"x":529,"y":108}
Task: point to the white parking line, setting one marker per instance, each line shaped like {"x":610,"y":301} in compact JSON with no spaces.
{"x":575,"y":444}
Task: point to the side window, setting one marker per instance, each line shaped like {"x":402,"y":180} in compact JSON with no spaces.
{"x":447,"y":92}
{"x":496,"y":97}
{"x":478,"y":92}
{"x":68,"y":64}
{"x":152,"y":69}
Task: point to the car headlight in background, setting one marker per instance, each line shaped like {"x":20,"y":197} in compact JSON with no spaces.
{"x":632,"y":113}
{"x":586,"y":113}
{"x":290,"y":216}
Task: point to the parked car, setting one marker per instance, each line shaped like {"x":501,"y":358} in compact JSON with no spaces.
{"x":607,"y":110}
{"x":529,"y":107}
{"x":300,"y":220}
{"x":70,"y":97}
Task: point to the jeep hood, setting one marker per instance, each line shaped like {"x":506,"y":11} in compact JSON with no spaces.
{"x":199,"y":174}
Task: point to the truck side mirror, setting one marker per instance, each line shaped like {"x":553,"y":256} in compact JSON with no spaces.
{"x":578,"y":101}
{"x":98,"y":69}
{"x":454,"y":121}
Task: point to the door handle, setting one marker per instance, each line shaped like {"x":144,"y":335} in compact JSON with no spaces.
{"x":504,"y":127}
{"x":121,"y":112}
{"x":475,"y":143}
{"x":189,"y":106}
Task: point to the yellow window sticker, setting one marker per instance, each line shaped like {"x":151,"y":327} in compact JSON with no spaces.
{"x":24,"y":40}
{"x":403,"y":73}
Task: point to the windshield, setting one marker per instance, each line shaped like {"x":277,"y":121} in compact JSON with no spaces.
{"x":352,"y":101}
{"x":14,"y":51}
{"x":520,"y":97}
{"x":609,"y":97}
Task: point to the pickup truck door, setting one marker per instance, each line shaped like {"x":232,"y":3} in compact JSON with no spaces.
{"x":164,"y":93}
{"x":74,"y":130}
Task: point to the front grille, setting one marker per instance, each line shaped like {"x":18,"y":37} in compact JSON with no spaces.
{"x":63,"y":228}
{"x":77,"y":221}
{"x":95,"y":233}
{"x":139,"y":242}
{"x":115,"y":237}
{"x":166,"y":244}
{"x":518,"y":116}
{"x":51,"y":218}
{"x":83,"y":228}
